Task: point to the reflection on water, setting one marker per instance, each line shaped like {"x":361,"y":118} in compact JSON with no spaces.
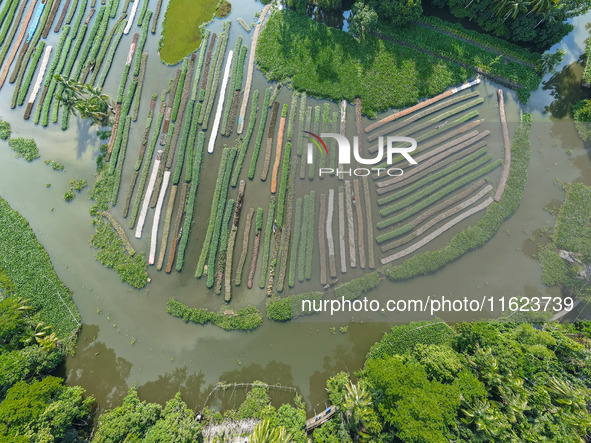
{"x":565,"y":88}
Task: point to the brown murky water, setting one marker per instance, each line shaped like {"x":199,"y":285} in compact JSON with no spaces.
{"x":168,"y":355}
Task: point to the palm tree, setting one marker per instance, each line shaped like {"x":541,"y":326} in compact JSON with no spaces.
{"x":511,"y":8}
{"x":264,"y":433}
{"x":85,"y":99}
{"x":542,"y":5}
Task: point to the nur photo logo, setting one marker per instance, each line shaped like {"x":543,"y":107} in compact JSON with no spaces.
{"x":389,"y":147}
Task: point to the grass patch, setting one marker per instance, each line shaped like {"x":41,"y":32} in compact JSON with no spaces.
{"x":181,"y":32}
{"x":572,"y":223}
{"x":327,"y":62}
{"x":36,"y":281}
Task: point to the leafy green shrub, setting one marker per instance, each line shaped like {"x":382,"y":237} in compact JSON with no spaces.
{"x":179,"y":90}
{"x":225,"y":232}
{"x":290,"y":307}
{"x":582,"y":117}
{"x":78,"y":185}
{"x":477,"y":235}
{"x":24,"y":89}
{"x":5,"y":130}
{"x":69,"y":195}
{"x":573,"y":217}
{"x":304,"y":238}
{"x":555,"y":271}
{"x":104,"y":60}
{"x":261,"y":131}
{"x":25,"y":148}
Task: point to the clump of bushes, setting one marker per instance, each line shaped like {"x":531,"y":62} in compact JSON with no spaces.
{"x":4,"y":130}
{"x":25,"y":148}
{"x":54,"y":165}
{"x":582,"y":117}
{"x":245,"y":319}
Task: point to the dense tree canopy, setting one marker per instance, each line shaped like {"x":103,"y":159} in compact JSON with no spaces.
{"x":477,"y":382}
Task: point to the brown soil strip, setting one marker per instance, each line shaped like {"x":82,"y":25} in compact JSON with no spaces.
{"x":251,"y":59}
{"x":176,"y":230}
{"x":113,"y":131}
{"x":232,"y":112}
{"x":60,"y":20}
{"x":167,"y":220}
{"x":418,"y":232}
{"x":253,"y":262}
{"x":278,"y":157}
{"x":342,"y":251}
{"x":322,"y":239}
{"x":269,"y":148}
{"x":208,"y":60}
{"x":245,"y":242}
{"x":361,"y":233}
{"x":171,"y":96}
{"x":370,"y":237}
{"x":54,"y":7}
{"x":120,"y":231}
{"x":329,"y":237}
{"x":18,"y":42}
{"x":156,"y":16}
{"x":17,"y":64}
{"x":437,"y":232}
{"x":350,"y":224}
{"x":507,"y":147}
{"x":417,"y":116}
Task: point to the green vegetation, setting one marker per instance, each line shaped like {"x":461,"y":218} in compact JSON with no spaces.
{"x":587,"y":70}
{"x":284,"y":184}
{"x":383,"y":74}
{"x":232,"y":84}
{"x":572,"y":233}
{"x":112,"y":254}
{"x":464,"y":53}
{"x":433,"y":197}
{"x":25,"y":148}
{"x":535,"y":24}
{"x":267,"y":242}
{"x":582,"y":117}
{"x":37,"y":282}
{"x":477,"y":235}
{"x":427,"y":382}
{"x":136,"y":420}
{"x":217,"y":227}
{"x":221,"y":260}
{"x":303,"y":238}
{"x":213,"y":86}
{"x":24,"y":89}
{"x":302,"y":120}
{"x":311,"y":234}
{"x":5,"y":130}
{"x":223,"y":9}
{"x":254,"y":107}
{"x":104,"y":59}
{"x":357,"y":287}
{"x":179,"y":90}
{"x":316,"y":130}
{"x":190,"y":208}
{"x":212,"y":214}
{"x":141,"y":44}
{"x":260,"y":133}
{"x":181,"y":32}
{"x":245,"y":319}
{"x":289,"y":308}
{"x":295,"y":242}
